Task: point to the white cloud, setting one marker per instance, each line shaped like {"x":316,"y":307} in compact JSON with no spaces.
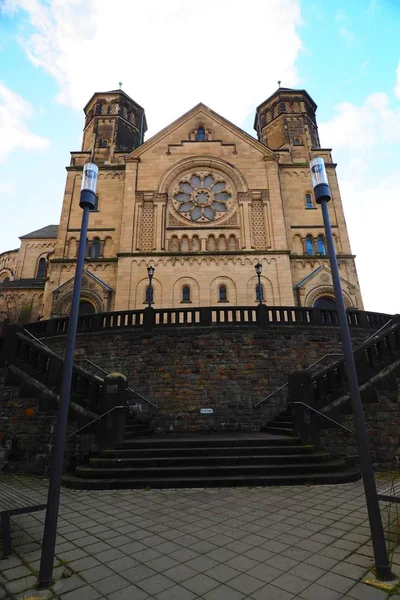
{"x":6,"y":188}
{"x":397,"y":86}
{"x":14,"y":133}
{"x":365,"y":139}
{"x":360,"y":127}
{"x":169,"y":55}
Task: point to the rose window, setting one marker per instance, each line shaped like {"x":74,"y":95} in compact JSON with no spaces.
{"x":202,"y":197}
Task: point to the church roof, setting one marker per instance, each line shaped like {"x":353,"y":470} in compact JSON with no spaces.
{"x":50,"y":231}
{"x":113,"y":92}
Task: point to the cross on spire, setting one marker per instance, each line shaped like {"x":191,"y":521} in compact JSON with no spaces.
{"x":279,"y":83}
{"x":120,"y":84}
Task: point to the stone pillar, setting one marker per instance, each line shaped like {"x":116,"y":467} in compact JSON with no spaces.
{"x":113,"y":425}
{"x":304,"y":420}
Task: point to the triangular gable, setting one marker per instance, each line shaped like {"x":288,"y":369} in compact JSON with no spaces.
{"x":318,"y":271}
{"x":205,"y":110}
{"x":90,"y":276}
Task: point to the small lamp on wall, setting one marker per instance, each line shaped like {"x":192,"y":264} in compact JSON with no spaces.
{"x":150,"y":272}
{"x":258,"y":268}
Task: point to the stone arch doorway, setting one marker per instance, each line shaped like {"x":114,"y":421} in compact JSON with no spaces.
{"x":325,"y":302}
{"x":86,"y":307}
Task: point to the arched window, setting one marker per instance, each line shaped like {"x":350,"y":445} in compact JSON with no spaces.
{"x":297,"y":142}
{"x":42,"y":267}
{"x":201,"y":134}
{"x":321,"y":245}
{"x":309,"y":245}
{"x":96,"y":204}
{"x":325,"y":302}
{"x":262,"y":293}
{"x":95,"y":249}
{"x":149,"y":297}
{"x":309,"y":202}
{"x":186,"y":294}
{"x":223,"y":295}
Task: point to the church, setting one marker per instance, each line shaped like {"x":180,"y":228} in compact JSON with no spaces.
{"x":202,"y":202}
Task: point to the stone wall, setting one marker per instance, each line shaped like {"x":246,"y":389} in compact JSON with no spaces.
{"x":227,"y":370}
{"x":28,"y":420}
{"x":381,"y":402}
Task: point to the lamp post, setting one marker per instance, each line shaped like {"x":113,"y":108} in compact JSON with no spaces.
{"x":86,"y":202}
{"x":150,"y":272}
{"x":322,"y":196}
{"x":258,"y":268}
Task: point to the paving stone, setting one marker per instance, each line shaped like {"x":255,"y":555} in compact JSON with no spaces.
{"x":349,"y":570}
{"x":20,"y":585}
{"x":284,"y":563}
{"x":17,"y":573}
{"x":200,"y":584}
{"x":241,"y":563}
{"x":138,"y":573}
{"x":109,"y":555}
{"x":96,"y":573}
{"x":265,"y":573}
{"x":87,"y":592}
{"x":362,"y":591}
{"x":246,"y":584}
{"x":291,"y":583}
{"x":111,"y":584}
{"x":219,"y":554}
{"x":127,"y":593}
{"x":81,"y":564}
{"x":306,"y":571}
{"x":122,"y":564}
{"x":177,"y":592}
{"x":36,"y":594}
{"x":180,"y":573}
{"x":155,"y":584}
{"x":270,"y":592}
{"x":71,"y":583}
{"x":317,"y":592}
{"x":336,"y":582}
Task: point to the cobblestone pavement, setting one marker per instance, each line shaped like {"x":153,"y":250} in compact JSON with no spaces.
{"x":275,"y":543}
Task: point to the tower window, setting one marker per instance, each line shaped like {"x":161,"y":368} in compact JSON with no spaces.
{"x":42,"y":267}
{"x":223,"y":295}
{"x":309,"y":202}
{"x":321,"y":245}
{"x":309,"y":245}
{"x":201,"y":134}
{"x":297,"y":141}
{"x":186,"y":294}
{"x":95,"y":249}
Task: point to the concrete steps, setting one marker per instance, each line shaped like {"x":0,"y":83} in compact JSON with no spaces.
{"x":217,"y":460}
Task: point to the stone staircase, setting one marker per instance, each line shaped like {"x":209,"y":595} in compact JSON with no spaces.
{"x":223,"y":460}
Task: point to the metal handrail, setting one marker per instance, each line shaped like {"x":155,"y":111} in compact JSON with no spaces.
{"x":324,"y":416}
{"x":129,"y":389}
{"x":96,"y":419}
{"x":319,"y":360}
{"x":285,"y":384}
{"x":97,"y":367}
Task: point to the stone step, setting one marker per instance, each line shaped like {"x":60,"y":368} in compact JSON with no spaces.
{"x":203,"y":451}
{"x":219,"y":470}
{"x":224,"y":441}
{"x":277,"y":429}
{"x":244,"y":480}
{"x":217,"y":459}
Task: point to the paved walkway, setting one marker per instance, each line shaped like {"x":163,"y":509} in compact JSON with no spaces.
{"x":273,"y":543}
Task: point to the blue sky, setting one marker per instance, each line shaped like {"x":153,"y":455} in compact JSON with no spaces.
{"x":55,"y":54}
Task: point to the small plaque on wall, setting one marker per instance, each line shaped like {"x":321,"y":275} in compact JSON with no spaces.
{"x":206,"y":411}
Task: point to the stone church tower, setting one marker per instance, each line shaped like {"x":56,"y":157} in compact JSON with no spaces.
{"x":203,"y":202}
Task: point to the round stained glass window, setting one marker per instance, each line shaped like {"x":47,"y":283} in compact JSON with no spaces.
{"x":202,"y":197}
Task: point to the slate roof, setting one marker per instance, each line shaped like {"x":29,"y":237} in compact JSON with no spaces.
{"x":50,"y":231}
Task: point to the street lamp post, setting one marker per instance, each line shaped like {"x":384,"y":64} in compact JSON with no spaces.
{"x":150,"y":272}
{"x":258,"y":268}
{"x":87,"y":201}
{"x":322,"y":196}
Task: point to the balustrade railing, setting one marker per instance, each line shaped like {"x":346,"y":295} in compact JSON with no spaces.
{"x":153,"y":318}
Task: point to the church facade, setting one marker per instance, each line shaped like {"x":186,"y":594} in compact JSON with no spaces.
{"x":202,"y":202}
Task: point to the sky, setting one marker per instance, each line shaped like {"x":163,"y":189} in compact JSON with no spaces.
{"x":171,"y":55}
